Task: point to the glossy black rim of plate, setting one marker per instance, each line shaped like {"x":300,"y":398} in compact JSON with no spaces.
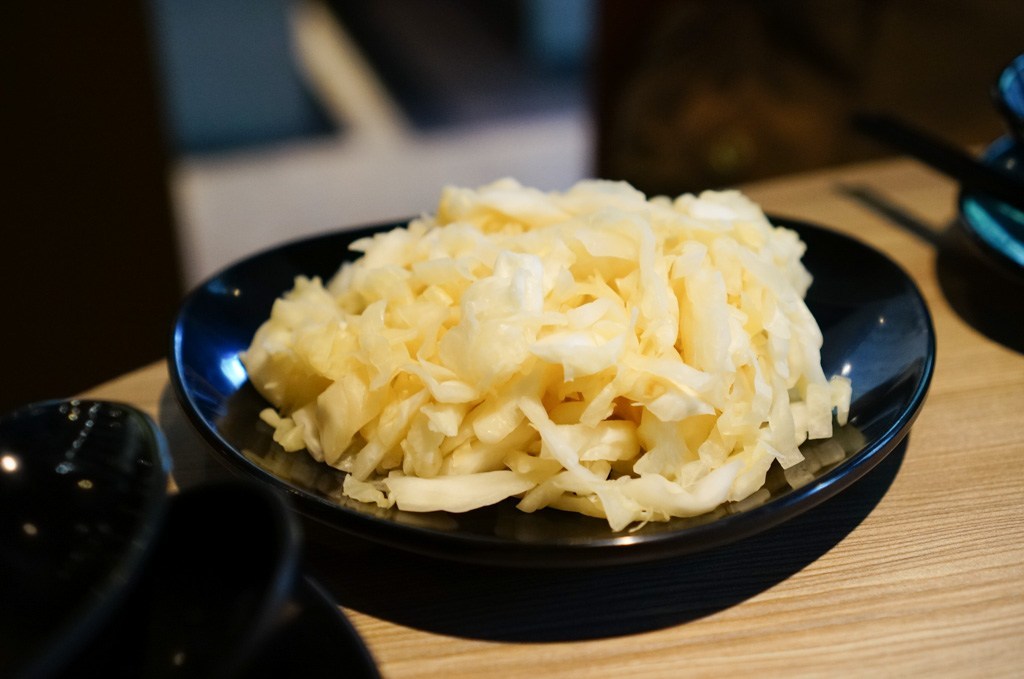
{"x":996,"y":229}
{"x":877,"y":329}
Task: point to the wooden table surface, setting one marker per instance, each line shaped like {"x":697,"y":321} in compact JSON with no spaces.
{"x":918,"y":569}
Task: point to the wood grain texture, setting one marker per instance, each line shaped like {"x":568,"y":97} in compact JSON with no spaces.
{"x":916,"y":570}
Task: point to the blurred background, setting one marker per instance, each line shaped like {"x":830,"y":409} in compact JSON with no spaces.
{"x":154,"y":141}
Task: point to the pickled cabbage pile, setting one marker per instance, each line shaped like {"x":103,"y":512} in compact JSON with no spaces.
{"x":592,"y":350}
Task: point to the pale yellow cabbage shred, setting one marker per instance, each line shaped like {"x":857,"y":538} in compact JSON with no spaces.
{"x":593,"y":350}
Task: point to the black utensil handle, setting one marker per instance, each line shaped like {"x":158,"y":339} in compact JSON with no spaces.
{"x":943,"y":156}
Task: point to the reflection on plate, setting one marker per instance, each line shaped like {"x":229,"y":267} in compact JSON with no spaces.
{"x":997,"y":229}
{"x":877,"y":331}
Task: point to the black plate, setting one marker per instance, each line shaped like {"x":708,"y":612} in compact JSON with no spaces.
{"x":877,"y":330}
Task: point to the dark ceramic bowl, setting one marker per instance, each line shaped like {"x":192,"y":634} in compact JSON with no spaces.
{"x":104,"y":574}
{"x":315,"y":640}
{"x":877,"y":330}
{"x":82,"y":499}
{"x":223,"y":596}
{"x":996,"y":229}
{"x":222,"y":570}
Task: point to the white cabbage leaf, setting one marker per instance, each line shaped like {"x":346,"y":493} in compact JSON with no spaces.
{"x":596,"y":350}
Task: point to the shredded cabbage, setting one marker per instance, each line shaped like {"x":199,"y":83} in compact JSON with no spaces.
{"x":595,"y":351}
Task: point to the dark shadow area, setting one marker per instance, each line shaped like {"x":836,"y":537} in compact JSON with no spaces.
{"x":526,"y":605}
